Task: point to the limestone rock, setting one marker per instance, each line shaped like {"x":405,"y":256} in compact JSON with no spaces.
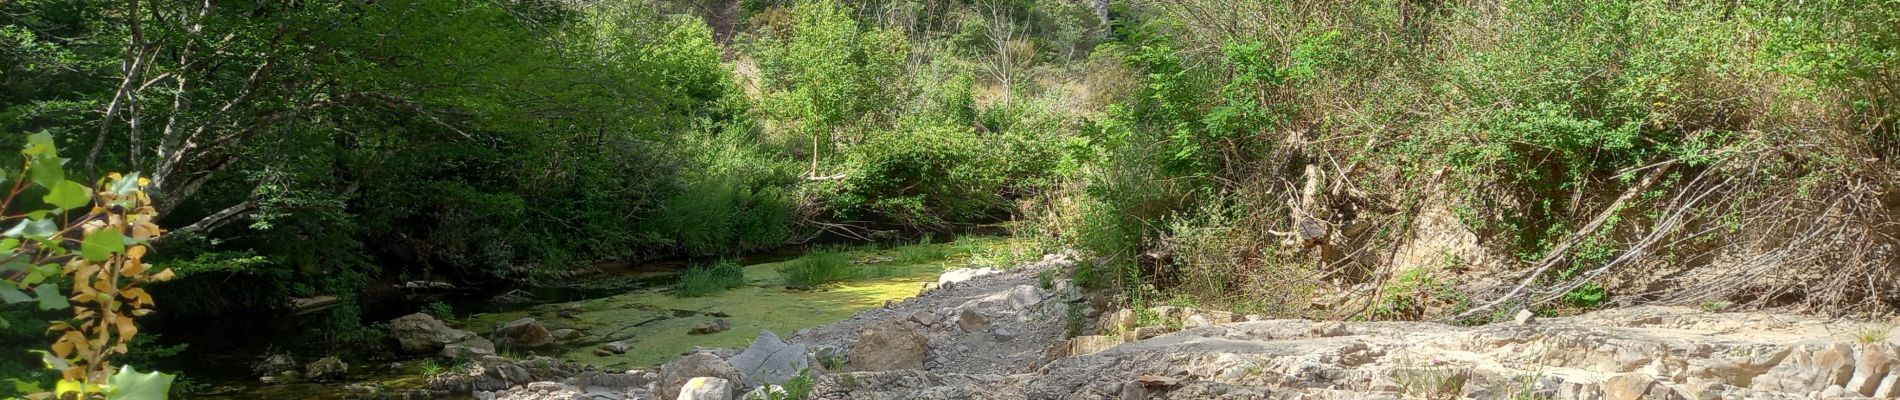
{"x":1122,"y":320}
{"x":276,"y":364}
{"x":675,"y":374}
{"x":521,"y":333}
{"x":961,"y":274}
{"x":891,"y":345}
{"x":770,"y":360}
{"x":706,"y":388}
{"x":421,"y":333}
{"x":1525,"y":317}
{"x":615,"y":347}
{"x":1196,"y":321}
{"x":326,"y":369}
{"x":1329,"y":329}
{"x":565,"y":335}
{"x":472,"y":349}
{"x":715,"y":326}
{"x":970,"y":320}
{"x":1080,"y":345}
{"x":1636,"y":386}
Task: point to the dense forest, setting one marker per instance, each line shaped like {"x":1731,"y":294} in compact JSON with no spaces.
{"x":1440,"y":160}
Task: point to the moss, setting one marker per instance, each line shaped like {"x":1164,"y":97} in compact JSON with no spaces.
{"x":656,"y":324}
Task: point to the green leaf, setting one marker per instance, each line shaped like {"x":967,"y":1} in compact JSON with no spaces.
{"x":32,"y":228}
{"x":100,"y":245}
{"x":68,"y":195}
{"x":12,"y":295}
{"x":129,"y":384}
{"x":46,"y":164}
{"x":50,"y":298}
{"x":125,"y":186}
{"x":20,"y":386}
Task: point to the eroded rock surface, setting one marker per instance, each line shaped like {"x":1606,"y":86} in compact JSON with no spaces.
{"x":1004,"y":335}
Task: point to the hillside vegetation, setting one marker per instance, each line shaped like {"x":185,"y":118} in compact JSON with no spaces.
{"x":1410,"y":159}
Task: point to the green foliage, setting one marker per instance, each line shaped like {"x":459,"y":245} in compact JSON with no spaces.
{"x":924,"y":178}
{"x":799,"y":387}
{"x":703,"y":280}
{"x":440,"y":310}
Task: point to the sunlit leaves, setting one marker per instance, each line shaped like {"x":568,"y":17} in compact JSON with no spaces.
{"x":130,"y":384}
{"x":101,"y":245}
{"x":67,"y":195}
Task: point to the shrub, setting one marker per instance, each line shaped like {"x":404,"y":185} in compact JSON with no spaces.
{"x":703,"y":280}
{"x":926,"y":178}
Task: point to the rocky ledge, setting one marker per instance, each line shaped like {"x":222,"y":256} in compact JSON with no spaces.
{"x":979,"y":334}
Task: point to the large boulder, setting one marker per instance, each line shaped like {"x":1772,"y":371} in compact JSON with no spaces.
{"x":674,"y":374}
{"x":521,"y":333}
{"x":421,"y":333}
{"x":770,"y":360}
{"x":889,"y":345}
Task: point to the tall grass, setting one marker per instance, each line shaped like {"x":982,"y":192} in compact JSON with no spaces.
{"x":821,"y":266}
{"x":703,"y":280}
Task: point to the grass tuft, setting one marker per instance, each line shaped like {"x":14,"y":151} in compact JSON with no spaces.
{"x":703,"y":280}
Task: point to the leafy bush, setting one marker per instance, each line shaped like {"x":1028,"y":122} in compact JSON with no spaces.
{"x":703,"y":280}
{"x":926,"y":178}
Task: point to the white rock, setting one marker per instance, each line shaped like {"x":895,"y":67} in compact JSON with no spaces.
{"x":1525,"y":317}
{"x":706,"y":388}
{"x":962,"y":274}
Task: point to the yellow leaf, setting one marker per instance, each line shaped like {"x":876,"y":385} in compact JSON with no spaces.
{"x":62,"y":347}
{"x":136,"y":251}
{"x":132,"y":267}
{"x":163,"y":275}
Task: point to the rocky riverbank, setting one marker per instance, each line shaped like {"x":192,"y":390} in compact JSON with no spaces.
{"x":1007,"y":335}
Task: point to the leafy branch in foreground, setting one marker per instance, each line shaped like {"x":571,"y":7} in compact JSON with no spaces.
{"x":100,"y":253}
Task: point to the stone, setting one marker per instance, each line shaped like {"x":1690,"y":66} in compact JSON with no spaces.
{"x":1122,"y":320}
{"x":706,"y":388}
{"x":676,"y":373}
{"x":1704,"y":390}
{"x":521,"y":333}
{"x":1329,"y":329}
{"x":1636,"y":386}
{"x":274,"y":365}
{"x":767,"y":392}
{"x":1196,"y":321}
{"x":544,"y":387}
{"x":1003,"y":335}
{"x":267,"y":380}
{"x":326,"y":369}
{"x":710,"y":327}
{"x":472,"y":349}
{"x":890,"y":345}
{"x":770,"y":360}
{"x":970,"y":320}
{"x":616,"y":347}
{"x":1870,"y":366}
{"x":1887,"y":386}
{"x":421,"y":333}
{"x":1134,"y":391}
{"x":565,"y":335}
{"x":1144,"y":333}
{"x":961,"y":274}
{"x":1080,"y":345}
{"x":1525,"y":317}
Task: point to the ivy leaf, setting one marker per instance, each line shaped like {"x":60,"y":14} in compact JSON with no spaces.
{"x":100,"y":245}
{"x":46,"y":168}
{"x":125,"y":186}
{"x":50,"y":298}
{"x":68,"y":195}
{"x":32,"y":228}
{"x":12,"y":295}
{"x":130,"y":384}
